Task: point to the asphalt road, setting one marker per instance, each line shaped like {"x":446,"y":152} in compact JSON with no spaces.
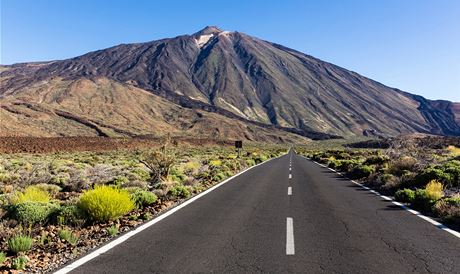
{"x":252,"y":224}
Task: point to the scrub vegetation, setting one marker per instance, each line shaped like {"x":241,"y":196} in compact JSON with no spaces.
{"x":56,"y":206}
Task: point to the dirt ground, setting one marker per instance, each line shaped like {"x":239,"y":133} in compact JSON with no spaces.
{"x":71,"y":144}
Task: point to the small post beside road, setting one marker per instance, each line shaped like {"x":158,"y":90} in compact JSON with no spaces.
{"x":238,"y":146}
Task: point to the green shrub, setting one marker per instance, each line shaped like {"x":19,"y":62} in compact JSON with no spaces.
{"x":362,"y":171}
{"x":447,"y":173}
{"x":31,"y":194}
{"x":68,"y":236}
{"x":347,"y":165}
{"x":448,"y":209}
{"x":260,"y":158}
{"x":179,"y":191}
{"x":34,"y":212}
{"x":20,"y":243}
{"x":452,"y":168}
{"x":219,"y":177}
{"x":422,"y":200}
{"x":177,"y":175}
{"x":112,"y":231}
{"x":70,"y":215}
{"x":105,"y":203}
{"x":432,"y":173}
{"x":405,"y":195}
{"x":376,"y":160}
{"x":250,"y":162}
{"x":2,"y":258}
{"x":142,"y":198}
{"x":19,"y":263}
{"x":334,"y":164}
{"x":343,"y":156}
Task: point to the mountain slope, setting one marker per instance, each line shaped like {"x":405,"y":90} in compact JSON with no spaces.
{"x":243,"y":78}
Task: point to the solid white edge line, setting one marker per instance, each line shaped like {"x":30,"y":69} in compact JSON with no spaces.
{"x":88,"y":257}
{"x":415,"y":212}
{"x":289,"y":191}
{"x":290,"y":248}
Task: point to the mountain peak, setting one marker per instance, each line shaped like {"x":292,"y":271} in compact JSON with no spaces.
{"x":209,"y":30}
{"x":248,"y":81}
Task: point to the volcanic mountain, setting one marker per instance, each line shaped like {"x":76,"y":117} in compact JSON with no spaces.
{"x":212,"y":83}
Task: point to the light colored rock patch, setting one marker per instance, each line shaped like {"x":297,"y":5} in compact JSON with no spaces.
{"x":203,"y":39}
{"x":232,"y":107}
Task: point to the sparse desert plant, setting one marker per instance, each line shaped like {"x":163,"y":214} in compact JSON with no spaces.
{"x":405,"y":195}
{"x":44,"y":239}
{"x":105,"y":203}
{"x":19,"y":263}
{"x":2,"y":258}
{"x":31,"y":194}
{"x":101,"y":174}
{"x":448,"y":209}
{"x":390,"y":181}
{"x":5,"y":178}
{"x":120,"y":181}
{"x":39,"y":173}
{"x":400,"y":165}
{"x":159,"y":164}
{"x":20,"y":243}
{"x":140,"y":174}
{"x":68,"y":236}
{"x":77,"y":181}
{"x":143,"y":198}
{"x":50,"y":188}
{"x":112,"y":230}
{"x":33,"y":212}
{"x":146,"y":216}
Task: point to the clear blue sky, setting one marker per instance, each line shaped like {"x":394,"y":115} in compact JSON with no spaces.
{"x":413,"y":45}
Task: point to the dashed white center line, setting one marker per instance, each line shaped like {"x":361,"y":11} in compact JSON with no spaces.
{"x":290,"y":250}
{"x":289,"y":191}
{"x":290,"y":169}
{"x":290,"y":176}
